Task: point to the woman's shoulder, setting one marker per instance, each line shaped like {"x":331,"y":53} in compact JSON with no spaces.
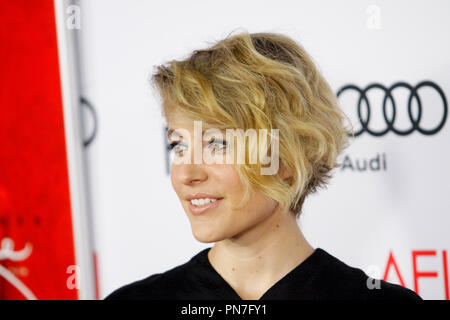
{"x":342,"y":281}
{"x":140,"y":289}
{"x":166,"y":285}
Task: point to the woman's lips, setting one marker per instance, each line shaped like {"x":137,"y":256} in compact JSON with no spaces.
{"x":198,"y":210}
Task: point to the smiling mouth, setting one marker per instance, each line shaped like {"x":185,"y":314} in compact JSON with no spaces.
{"x":201,"y":206}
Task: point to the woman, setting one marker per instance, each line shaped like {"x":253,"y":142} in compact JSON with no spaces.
{"x":261,"y":83}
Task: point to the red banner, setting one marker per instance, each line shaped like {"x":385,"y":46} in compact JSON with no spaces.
{"x":36,"y":240}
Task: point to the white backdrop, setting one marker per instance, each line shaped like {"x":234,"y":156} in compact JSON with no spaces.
{"x":403,"y":208}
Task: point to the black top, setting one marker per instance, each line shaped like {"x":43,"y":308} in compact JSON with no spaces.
{"x":320,"y":276}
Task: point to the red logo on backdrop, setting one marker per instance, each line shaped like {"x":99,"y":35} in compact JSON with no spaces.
{"x":36,"y":242}
{"x":418,"y":273}
{"x":7,"y":252}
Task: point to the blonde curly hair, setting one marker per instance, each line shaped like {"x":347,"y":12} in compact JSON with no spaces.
{"x":262,"y":80}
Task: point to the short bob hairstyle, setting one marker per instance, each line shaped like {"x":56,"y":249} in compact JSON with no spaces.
{"x":262,"y":80}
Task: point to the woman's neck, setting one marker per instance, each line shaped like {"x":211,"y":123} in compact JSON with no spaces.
{"x":255,"y":260}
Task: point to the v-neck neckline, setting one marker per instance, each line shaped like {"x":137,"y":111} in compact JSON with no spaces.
{"x":230,"y":293}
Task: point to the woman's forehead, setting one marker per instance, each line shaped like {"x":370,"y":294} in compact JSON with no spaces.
{"x":180,"y":131}
{"x":181,"y":122}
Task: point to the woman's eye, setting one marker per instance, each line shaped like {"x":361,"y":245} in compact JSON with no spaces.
{"x":177,"y":147}
{"x":218,"y":145}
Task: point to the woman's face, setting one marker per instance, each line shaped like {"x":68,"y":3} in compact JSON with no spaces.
{"x":219,"y":181}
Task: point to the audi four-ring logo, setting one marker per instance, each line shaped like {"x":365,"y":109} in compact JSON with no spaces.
{"x":390,"y":123}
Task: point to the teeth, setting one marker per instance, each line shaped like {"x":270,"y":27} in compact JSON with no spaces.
{"x":201,"y":202}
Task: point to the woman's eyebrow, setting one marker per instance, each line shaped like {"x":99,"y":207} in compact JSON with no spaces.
{"x":171,"y":132}
{"x":174,"y":132}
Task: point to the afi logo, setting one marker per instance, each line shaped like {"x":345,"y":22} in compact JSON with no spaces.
{"x":418,"y":272}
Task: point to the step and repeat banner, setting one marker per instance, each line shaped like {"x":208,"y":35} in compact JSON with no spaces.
{"x":44,"y":248}
{"x":85,"y":191}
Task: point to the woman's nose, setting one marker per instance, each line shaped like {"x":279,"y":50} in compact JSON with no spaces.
{"x":191,"y":174}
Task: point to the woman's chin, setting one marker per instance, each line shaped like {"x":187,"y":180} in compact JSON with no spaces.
{"x":206,"y":235}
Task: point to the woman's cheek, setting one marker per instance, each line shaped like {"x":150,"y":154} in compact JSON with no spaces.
{"x":227,"y":175}
{"x":173,"y":179}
